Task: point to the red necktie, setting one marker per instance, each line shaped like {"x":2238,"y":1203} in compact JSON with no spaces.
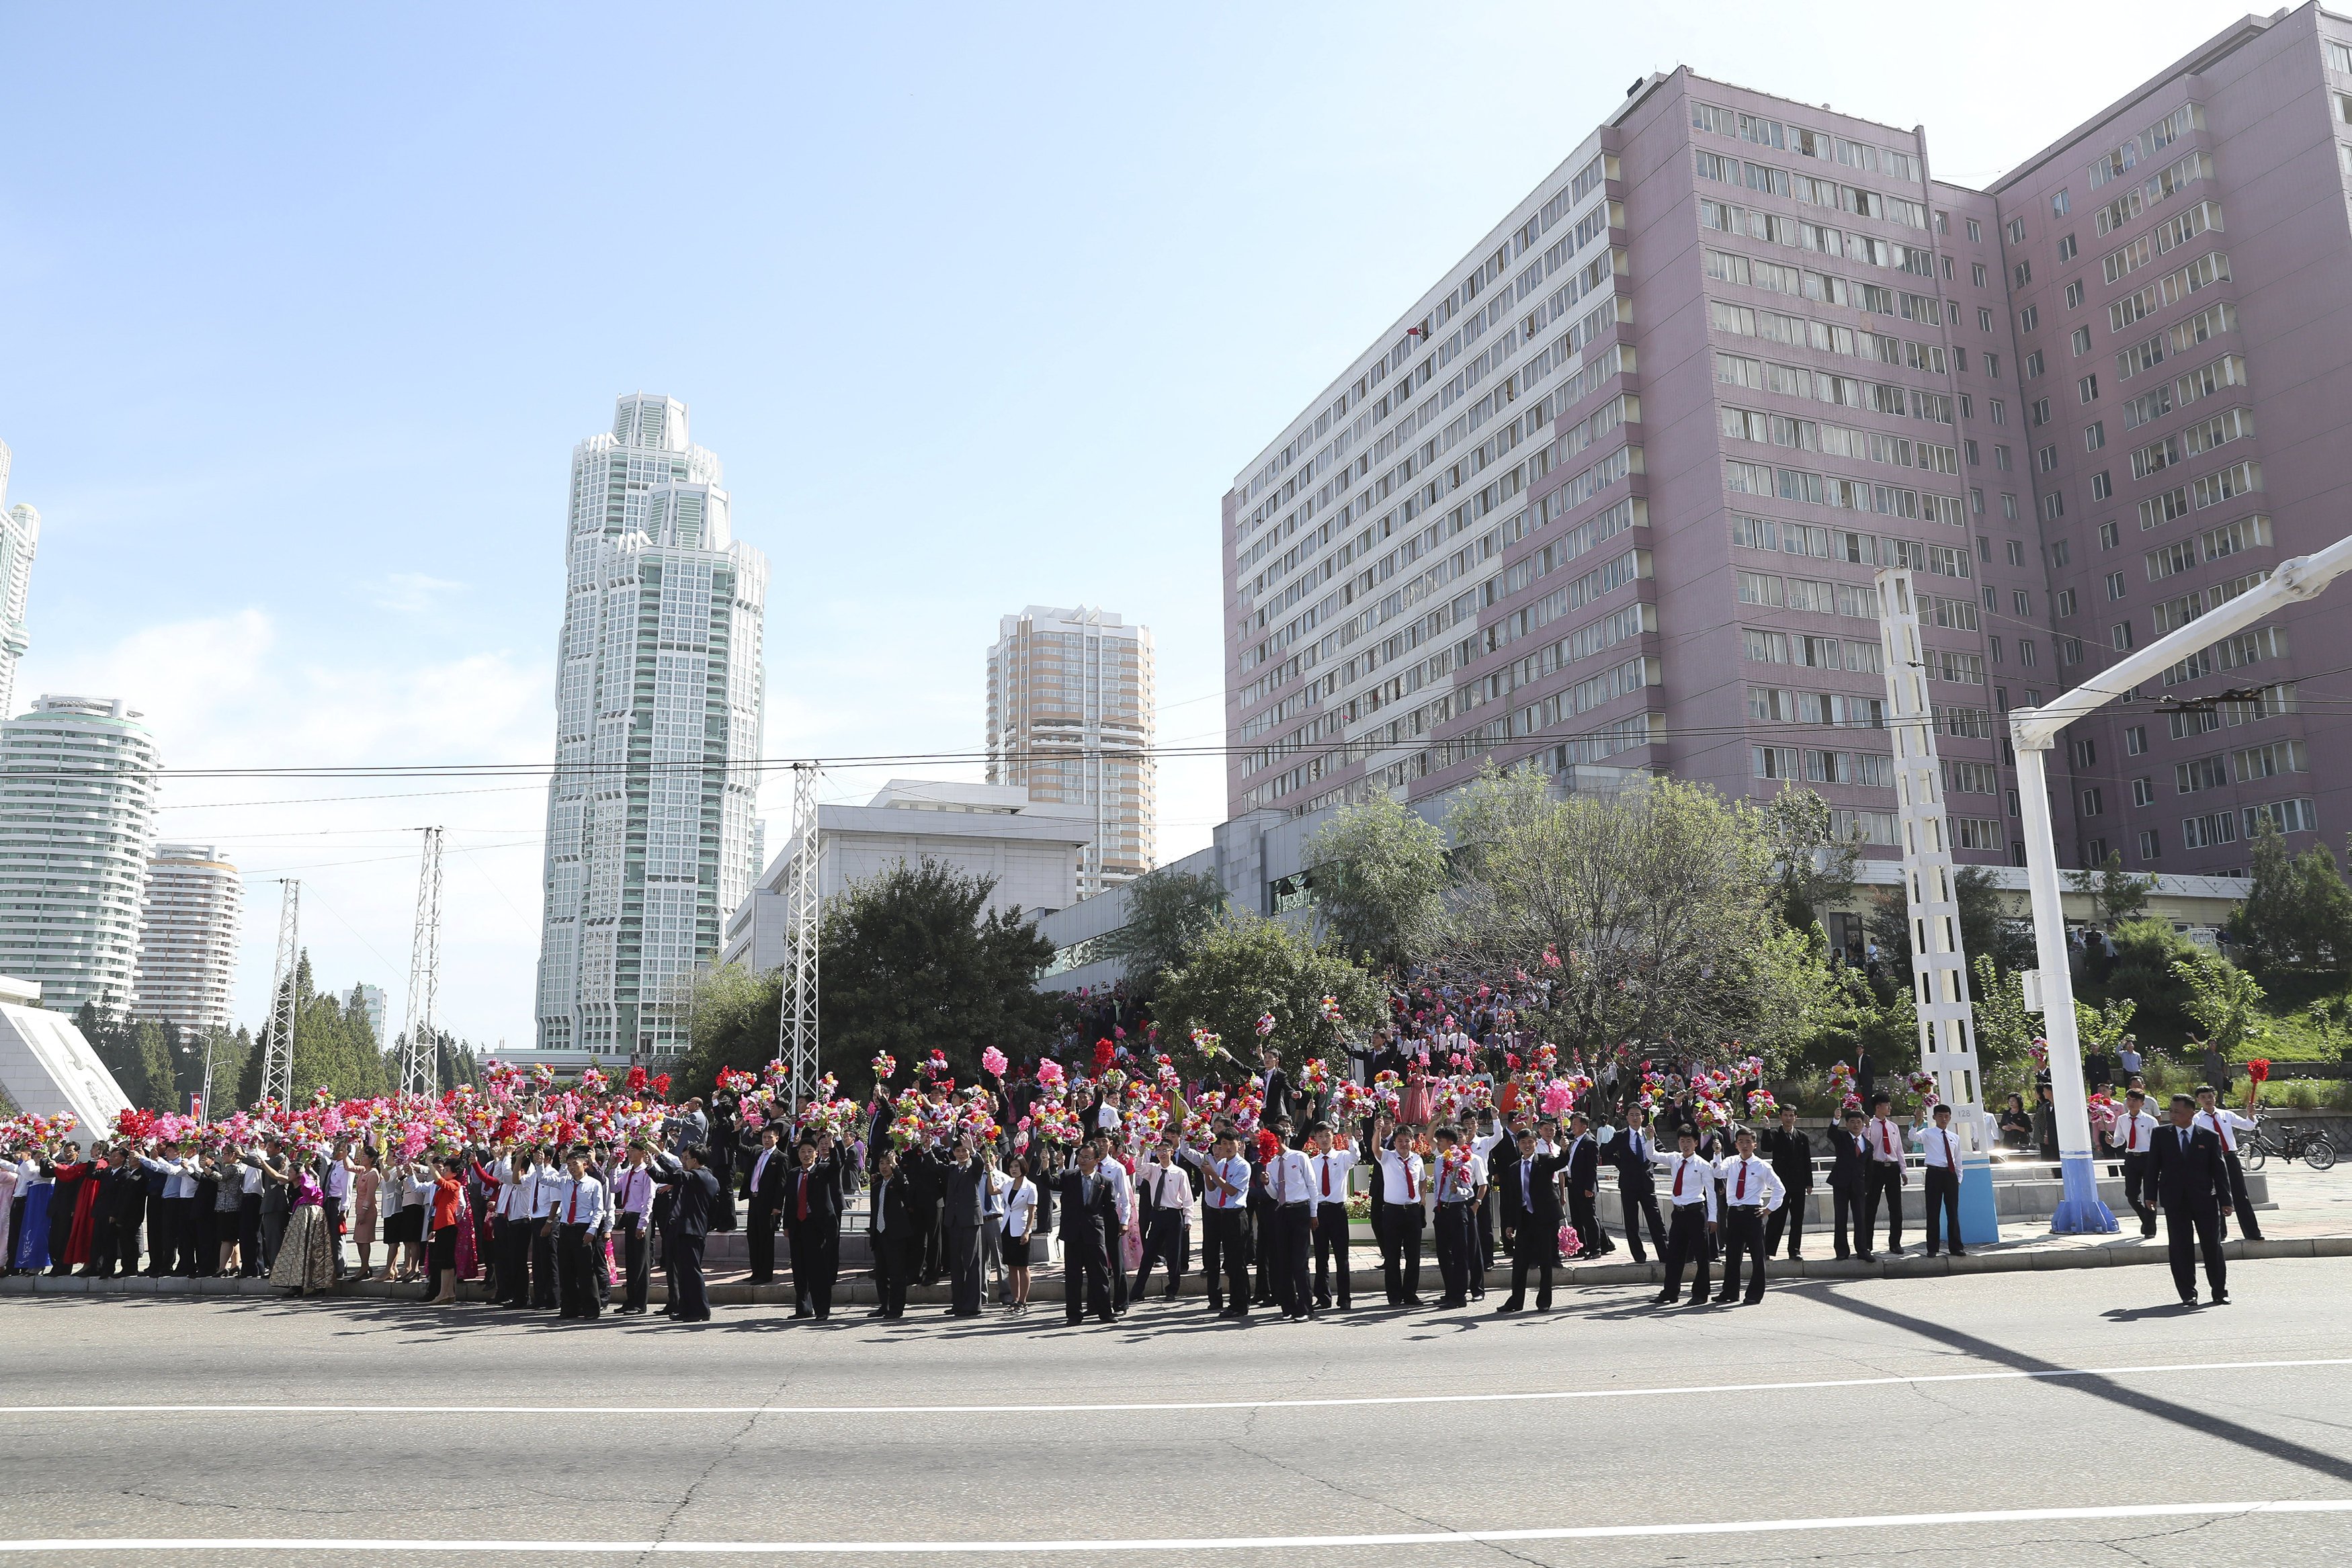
{"x":1741,"y":1190}
{"x":571,"y":1214}
{"x":2221,"y":1132}
{"x":1326,"y":1175}
{"x":1948,"y":1163}
{"x":802,"y":1210}
{"x":2131,"y":1139}
{"x":1886,"y":1137}
{"x":1680,"y":1165}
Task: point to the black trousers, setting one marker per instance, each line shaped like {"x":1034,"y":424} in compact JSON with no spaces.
{"x":1885,"y":1182}
{"x":1584,"y":1214}
{"x":632,"y":1263}
{"x":1686,"y":1243}
{"x":1400,"y":1253}
{"x":1790,"y":1216}
{"x":1086,"y":1276}
{"x":760,"y":1239}
{"x":248,"y":1235}
{"x":963,"y":1269}
{"x":175,"y":1239}
{"x":1487,"y":1251}
{"x":1640,"y":1201}
{"x":2140,"y":1189}
{"x":1743,"y":1240}
{"x":689,"y":1301}
{"x":334,"y":1216}
{"x":1163,"y":1242}
{"x":1264,"y":1248}
{"x":2189,"y":1227}
{"x":1224,"y":1256}
{"x":543,"y":1264}
{"x":1845,"y":1209}
{"x":895,"y":1257}
{"x":1293,"y":1243}
{"x":1943,"y":1195}
{"x":934,"y":1247}
{"x":816,"y":1263}
{"x":1534,"y":1249}
{"x":575,"y":1256}
{"x":2247,"y":1224}
{"x":1457,"y":1235}
{"x":512,"y":1239}
{"x":1332,"y":1250}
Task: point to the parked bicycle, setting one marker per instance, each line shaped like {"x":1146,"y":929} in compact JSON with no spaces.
{"x":2289,"y":1141}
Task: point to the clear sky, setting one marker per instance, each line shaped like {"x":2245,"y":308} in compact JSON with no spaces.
{"x":303,"y":307}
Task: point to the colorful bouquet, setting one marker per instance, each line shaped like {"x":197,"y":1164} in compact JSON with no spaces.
{"x":1265,"y":1024}
{"x":1763,"y":1105}
{"x":1314,"y":1077}
{"x":1206,"y":1042}
{"x":1329,"y":1008}
{"x":734,"y":1081}
{"x":992,"y":1061}
{"x":884,"y":1065}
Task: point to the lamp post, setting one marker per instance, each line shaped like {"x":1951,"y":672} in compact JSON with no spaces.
{"x":2034,"y":731}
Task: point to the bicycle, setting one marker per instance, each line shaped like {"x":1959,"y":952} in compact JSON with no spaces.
{"x":2292,"y":1142}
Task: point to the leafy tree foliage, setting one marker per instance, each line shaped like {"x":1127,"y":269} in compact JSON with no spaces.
{"x":2224,"y":1001}
{"x":2116,"y":894}
{"x":1166,"y":912}
{"x":1243,"y":969}
{"x":1812,"y":867}
{"x":334,"y":1047}
{"x":732,"y":1012}
{"x":1985,"y":928}
{"x":2298,"y":913}
{"x":1379,"y":879}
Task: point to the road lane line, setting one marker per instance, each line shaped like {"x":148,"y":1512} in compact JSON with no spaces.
{"x":1524,"y":1396}
{"x":1193,"y":1543}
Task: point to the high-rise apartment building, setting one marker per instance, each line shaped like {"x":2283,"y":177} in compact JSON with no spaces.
{"x":76,"y":821}
{"x":372,"y":1001}
{"x":20,"y":535}
{"x":1613,"y":490}
{"x":1070,"y":704}
{"x":190,"y":919}
{"x":659,"y":702}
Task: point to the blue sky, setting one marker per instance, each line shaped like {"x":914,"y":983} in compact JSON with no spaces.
{"x":982,"y":307}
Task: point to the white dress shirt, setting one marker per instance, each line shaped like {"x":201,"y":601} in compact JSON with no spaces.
{"x":1122,"y":1189}
{"x":1690,"y":1179}
{"x":542,"y":1189}
{"x":1885,"y":1139}
{"x":2226,"y":1124}
{"x":1234,"y":1170}
{"x":1021,"y":1208}
{"x":1750,"y":1183}
{"x":1941,"y":1146}
{"x":581,"y":1202}
{"x":1399,"y":1177}
{"x":759,"y":1165}
{"x":1289,"y":1178}
{"x":2133,"y":1135}
{"x":1169,"y":1187}
{"x":633,"y":1190}
{"x":1330,"y":1174}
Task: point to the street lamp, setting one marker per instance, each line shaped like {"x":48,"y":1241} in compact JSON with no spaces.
{"x":2034,"y":731}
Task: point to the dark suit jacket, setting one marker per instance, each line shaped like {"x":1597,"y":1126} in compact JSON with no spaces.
{"x":1540,"y":1207}
{"x":768,"y":1192}
{"x":967,"y":1198}
{"x":896,"y":1206}
{"x":1792,"y":1155}
{"x":1634,"y":1173}
{"x":1279,"y":1101}
{"x":695,"y":1195}
{"x":2190,"y":1173}
{"x":823,"y":1191}
{"x":1850,"y":1172}
{"x":1082,"y":1224}
{"x":1583,"y":1166}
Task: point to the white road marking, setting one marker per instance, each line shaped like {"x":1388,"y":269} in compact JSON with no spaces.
{"x":666,"y":1411}
{"x":1193,"y":1543}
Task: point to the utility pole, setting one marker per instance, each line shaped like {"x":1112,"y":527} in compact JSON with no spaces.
{"x":796,"y":1018}
{"x":2034,"y":731}
{"x":277,"y":1031}
{"x":420,"y":1055}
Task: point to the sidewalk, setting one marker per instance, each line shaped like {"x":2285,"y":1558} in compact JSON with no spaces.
{"x":2310,"y":1216}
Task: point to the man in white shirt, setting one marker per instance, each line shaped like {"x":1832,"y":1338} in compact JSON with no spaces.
{"x":1886,"y":1178}
{"x":1290,"y":1182}
{"x":1751,"y":1189}
{"x":1164,"y":1182}
{"x":582,"y":1211}
{"x":2229,"y":1127}
{"x":545,"y":1187}
{"x":1400,"y":1187}
{"x":1690,"y":1195}
{"x":633,"y":1201}
{"x":1330,"y":1161}
{"x":1122,"y":1190}
{"x":1454,"y":1194}
{"x":1490,"y":1134}
{"x":1224,"y":1240}
{"x":2133,"y":1137}
{"x":1941,"y":1179}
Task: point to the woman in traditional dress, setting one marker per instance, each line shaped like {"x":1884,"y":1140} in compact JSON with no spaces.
{"x":69,"y":1206}
{"x":306,"y":1257}
{"x":7,"y":1212}
{"x":34,"y":1182}
{"x":364,"y":1182}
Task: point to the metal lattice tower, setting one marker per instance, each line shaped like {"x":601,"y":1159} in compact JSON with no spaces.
{"x":796,"y":1018}
{"x":278,"y":1033}
{"x":420,"y":1056}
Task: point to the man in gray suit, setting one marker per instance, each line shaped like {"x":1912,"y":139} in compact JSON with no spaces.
{"x":967,"y":1202}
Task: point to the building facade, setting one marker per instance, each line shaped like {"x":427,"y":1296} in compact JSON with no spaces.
{"x":191,"y":919}
{"x":20,"y":535}
{"x":372,"y":1001}
{"x":1613,"y":490}
{"x":660,"y":699}
{"x":1070,"y":719}
{"x":77,"y":823}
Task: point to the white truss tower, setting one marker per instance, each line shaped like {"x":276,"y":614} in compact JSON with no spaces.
{"x":420,"y":1056}
{"x":278,"y":1033}
{"x":796,"y":1018}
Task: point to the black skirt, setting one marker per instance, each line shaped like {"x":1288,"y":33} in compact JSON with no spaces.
{"x":1017,"y":1253}
{"x":443,"y":1251}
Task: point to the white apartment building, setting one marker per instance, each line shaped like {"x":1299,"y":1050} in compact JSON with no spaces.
{"x":190,"y":921}
{"x":659,"y":704}
{"x":77,"y":820}
{"x":1070,"y":700}
{"x":20,"y":534}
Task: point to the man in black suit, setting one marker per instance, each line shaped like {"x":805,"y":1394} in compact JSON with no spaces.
{"x":1584,"y":1187}
{"x":1849,"y":1173}
{"x":2192,"y":1183}
{"x":1791,"y":1154}
{"x":1278,"y":1093}
{"x":1089,"y":1216}
{"x":1637,"y":1186}
{"x":810,"y":1199}
{"x":764,"y":1187}
{"x":890,"y":1225}
{"x":1530,"y":1206}
{"x":694,"y":1194}
{"x":967,"y":1205}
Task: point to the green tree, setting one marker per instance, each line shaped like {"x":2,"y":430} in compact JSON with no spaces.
{"x":2004,"y":1030}
{"x":1657,"y":902}
{"x":1985,"y":926}
{"x":1812,"y":867}
{"x":732,"y":1012}
{"x":2147,"y":969}
{"x":913,"y":963}
{"x":1853,"y":1016}
{"x":332,"y":1049}
{"x":2225,"y":1002}
{"x":2116,"y":894}
{"x":2100,"y":1029}
{"x":1245,"y":967}
{"x":2298,"y":913}
{"x":1166,"y":912}
{"x":159,"y":1089}
{"x":1379,"y":876}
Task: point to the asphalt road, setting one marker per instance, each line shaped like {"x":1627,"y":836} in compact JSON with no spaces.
{"x":2015,"y":1394}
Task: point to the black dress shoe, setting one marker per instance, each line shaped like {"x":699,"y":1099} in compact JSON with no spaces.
{"x":1506,"y":1308}
{"x":1958,"y":1253}
{"x":1663,"y":1300}
{"x":2221,"y":1297}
